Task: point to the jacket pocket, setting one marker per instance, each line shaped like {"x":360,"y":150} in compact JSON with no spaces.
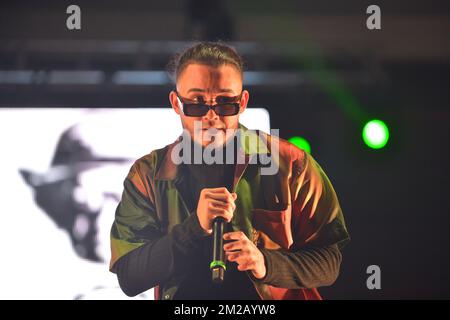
{"x":276,"y":224}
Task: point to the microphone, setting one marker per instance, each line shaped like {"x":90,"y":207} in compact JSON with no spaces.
{"x":217,"y":265}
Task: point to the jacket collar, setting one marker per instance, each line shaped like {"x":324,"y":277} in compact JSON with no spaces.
{"x":250,"y":143}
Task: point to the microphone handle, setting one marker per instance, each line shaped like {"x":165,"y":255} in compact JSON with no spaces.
{"x":218,"y":265}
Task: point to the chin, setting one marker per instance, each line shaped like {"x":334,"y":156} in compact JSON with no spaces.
{"x":205,"y":143}
{"x":217,"y":139}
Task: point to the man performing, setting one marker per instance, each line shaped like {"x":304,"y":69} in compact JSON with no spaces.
{"x":284,"y":229}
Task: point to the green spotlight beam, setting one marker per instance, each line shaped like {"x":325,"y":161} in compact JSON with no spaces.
{"x":377,"y":134}
{"x":312,"y":59}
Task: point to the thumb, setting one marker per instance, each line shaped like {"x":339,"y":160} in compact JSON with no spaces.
{"x":234,"y":195}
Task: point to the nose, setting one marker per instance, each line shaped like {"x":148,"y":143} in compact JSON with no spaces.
{"x":211,"y":115}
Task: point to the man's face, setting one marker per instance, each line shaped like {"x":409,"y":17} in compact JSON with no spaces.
{"x":200,"y":82}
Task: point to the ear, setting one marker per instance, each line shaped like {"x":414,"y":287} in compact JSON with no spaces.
{"x":244,"y":100}
{"x":174,"y":102}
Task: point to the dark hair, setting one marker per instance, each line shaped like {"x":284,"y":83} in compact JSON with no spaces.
{"x":208,"y":53}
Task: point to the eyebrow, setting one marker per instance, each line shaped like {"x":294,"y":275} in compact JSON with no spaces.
{"x":203,"y":90}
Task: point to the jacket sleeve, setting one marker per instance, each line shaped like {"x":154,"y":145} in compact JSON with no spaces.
{"x":311,"y":267}
{"x":142,"y":254}
{"x":318,"y":230}
{"x":317,"y":218}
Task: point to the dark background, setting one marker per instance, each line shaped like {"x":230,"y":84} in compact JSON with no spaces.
{"x":327,"y":74}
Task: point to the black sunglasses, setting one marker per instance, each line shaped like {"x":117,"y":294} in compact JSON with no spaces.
{"x":225,"y":106}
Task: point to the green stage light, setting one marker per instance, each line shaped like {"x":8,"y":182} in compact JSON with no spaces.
{"x":375,"y":134}
{"x":302,"y":143}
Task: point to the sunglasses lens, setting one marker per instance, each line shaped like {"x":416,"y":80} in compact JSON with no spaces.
{"x":227,"y":109}
{"x":199,"y":110}
{"x":195,"y":110}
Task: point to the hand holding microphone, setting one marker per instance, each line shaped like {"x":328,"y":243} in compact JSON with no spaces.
{"x":215,"y":202}
{"x":215,"y":208}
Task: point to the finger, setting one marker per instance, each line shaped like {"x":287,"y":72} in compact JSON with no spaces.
{"x":234,"y":195}
{"x":235,"y":245}
{"x":243,"y":260}
{"x":223,"y":205}
{"x":231,"y":256}
{"x":238,"y":256}
{"x":246,"y":266}
{"x":235,"y":235}
{"x":218,"y":212}
{"x":219,"y":196}
{"x":218,"y":190}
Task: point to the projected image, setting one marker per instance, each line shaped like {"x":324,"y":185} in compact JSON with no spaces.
{"x":69,"y":193}
{"x":63,"y":181}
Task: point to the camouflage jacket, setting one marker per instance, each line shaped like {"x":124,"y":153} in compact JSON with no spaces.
{"x":295,"y":208}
